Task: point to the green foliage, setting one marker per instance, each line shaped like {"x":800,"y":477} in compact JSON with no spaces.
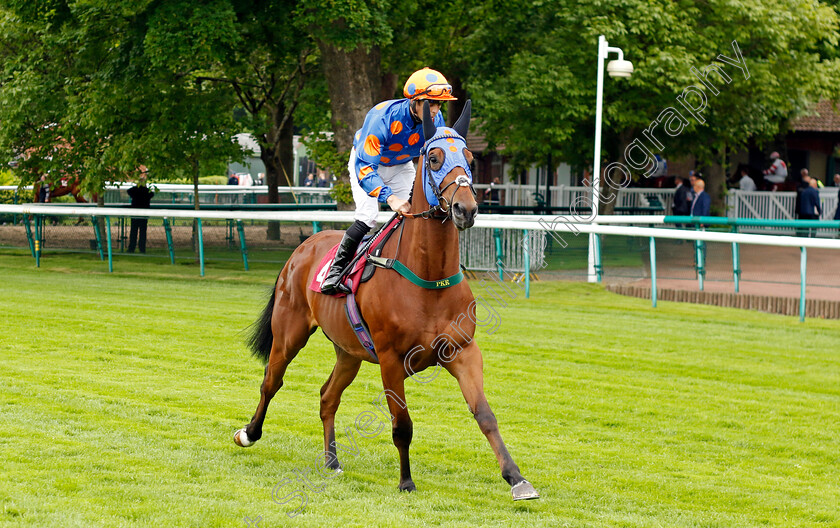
{"x":7,"y":178}
{"x":342,"y":193}
{"x":184,"y":35}
{"x":96,"y":90}
{"x":100,"y":93}
{"x":346,"y":23}
{"x":213,"y":180}
{"x":536,"y":92}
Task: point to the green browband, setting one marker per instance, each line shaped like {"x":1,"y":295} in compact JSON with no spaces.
{"x":400,"y":268}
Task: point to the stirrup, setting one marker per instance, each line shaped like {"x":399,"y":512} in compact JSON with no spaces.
{"x":330,"y":289}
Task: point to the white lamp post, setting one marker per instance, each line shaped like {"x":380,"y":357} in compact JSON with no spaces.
{"x":616,"y":68}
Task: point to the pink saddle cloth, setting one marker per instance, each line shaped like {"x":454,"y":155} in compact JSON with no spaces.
{"x":355,"y":274}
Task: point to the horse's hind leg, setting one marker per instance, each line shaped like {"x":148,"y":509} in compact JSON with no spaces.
{"x":343,"y":374}
{"x":291,"y":332}
{"x":466,"y":367}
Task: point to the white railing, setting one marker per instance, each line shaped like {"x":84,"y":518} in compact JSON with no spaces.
{"x":531,"y":223}
{"x":740,"y":204}
{"x":566,"y":195}
{"x":221,"y":194}
{"x":761,"y":204}
{"x":776,"y":206}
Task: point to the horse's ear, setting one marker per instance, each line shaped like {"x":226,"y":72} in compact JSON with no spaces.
{"x":462,"y":126}
{"x":429,"y":127}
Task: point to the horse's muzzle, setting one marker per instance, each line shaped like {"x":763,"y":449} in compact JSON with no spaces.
{"x":463,"y":217}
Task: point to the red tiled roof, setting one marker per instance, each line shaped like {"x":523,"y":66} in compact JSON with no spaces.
{"x":476,"y":141}
{"x":824,"y":118}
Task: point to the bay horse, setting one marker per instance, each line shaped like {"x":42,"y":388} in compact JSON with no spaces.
{"x":404,"y":339}
{"x":66,"y":186}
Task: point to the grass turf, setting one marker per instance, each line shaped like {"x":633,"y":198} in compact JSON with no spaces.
{"x":120,"y":393}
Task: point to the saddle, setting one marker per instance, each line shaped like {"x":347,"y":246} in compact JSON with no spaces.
{"x":360,"y":269}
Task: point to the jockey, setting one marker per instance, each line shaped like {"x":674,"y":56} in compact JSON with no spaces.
{"x":380,"y":161}
{"x":777,"y":173}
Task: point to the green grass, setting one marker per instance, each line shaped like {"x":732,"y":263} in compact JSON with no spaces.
{"x":616,"y":251}
{"x":120,"y":393}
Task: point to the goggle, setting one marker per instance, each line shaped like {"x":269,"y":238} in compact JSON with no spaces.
{"x":435,"y":90}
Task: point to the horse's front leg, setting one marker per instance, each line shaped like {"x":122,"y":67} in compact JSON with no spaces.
{"x":393,"y":381}
{"x":467,"y":367}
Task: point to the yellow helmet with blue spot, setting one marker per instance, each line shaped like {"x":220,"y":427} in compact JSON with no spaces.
{"x":428,"y":84}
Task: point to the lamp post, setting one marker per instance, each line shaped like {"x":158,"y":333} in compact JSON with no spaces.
{"x":616,"y":68}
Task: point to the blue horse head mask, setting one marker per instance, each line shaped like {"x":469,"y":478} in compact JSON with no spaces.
{"x":451,"y":141}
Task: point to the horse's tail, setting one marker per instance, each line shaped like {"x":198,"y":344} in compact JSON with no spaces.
{"x":261,"y":337}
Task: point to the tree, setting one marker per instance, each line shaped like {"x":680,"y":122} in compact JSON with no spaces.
{"x":88,"y":78}
{"x":348,"y":34}
{"x":264,"y":63}
{"x":536,"y":92}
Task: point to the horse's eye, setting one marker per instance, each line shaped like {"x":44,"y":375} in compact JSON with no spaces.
{"x":436,"y":160}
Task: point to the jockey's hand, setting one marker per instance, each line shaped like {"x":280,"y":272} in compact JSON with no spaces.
{"x":398,"y":205}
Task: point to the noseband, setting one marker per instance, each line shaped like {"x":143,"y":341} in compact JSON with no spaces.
{"x":461,"y":181}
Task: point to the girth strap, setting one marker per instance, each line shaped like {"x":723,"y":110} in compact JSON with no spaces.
{"x":354,"y":316}
{"x":400,"y":268}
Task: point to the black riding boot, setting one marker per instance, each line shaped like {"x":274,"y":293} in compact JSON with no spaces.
{"x":346,"y":250}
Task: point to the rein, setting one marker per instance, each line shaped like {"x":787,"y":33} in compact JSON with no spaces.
{"x":444,"y":206}
{"x":412,"y":277}
{"x":461,"y":181}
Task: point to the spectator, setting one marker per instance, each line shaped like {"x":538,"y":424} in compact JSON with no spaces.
{"x":804,"y":178}
{"x":141,"y":198}
{"x":810,"y":208}
{"x":746,"y":183}
{"x":810,"y":204}
{"x":692,"y":179}
{"x":681,"y":205}
{"x":804,"y":183}
{"x":260,"y":179}
{"x":245,"y":180}
{"x":777,"y":173}
{"x":43,"y":190}
{"x":661,"y":166}
{"x":491,"y":194}
{"x":323,"y":181}
{"x":701,"y":206}
{"x":233,"y":180}
{"x":837,"y":184}
{"x":309,"y":181}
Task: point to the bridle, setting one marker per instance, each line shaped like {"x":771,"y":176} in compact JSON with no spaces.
{"x":461,"y":181}
{"x":444,"y":205}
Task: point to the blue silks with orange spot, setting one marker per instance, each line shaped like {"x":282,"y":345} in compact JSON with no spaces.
{"x":389,"y":137}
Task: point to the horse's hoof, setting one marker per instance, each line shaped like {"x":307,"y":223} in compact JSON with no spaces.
{"x":240,"y":438}
{"x":524,"y":491}
{"x":408,"y":486}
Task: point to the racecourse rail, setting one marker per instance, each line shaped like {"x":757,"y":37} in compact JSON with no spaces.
{"x":606,"y":225}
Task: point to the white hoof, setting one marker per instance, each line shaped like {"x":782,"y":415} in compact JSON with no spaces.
{"x":524,"y":491}
{"x":240,"y":438}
